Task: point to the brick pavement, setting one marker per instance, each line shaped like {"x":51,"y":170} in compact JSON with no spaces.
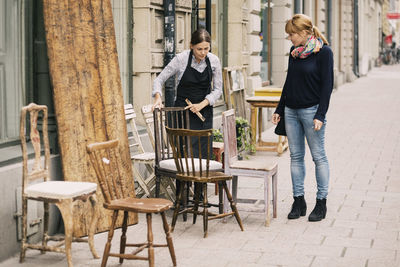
{"x":363,"y":220}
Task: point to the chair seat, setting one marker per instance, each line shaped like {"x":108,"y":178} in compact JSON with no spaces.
{"x":254,"y":165}
{"x":143,"y":205}
{"x":147,"y":156}
{"x":169,"y":164}
{"x":59,"y":189}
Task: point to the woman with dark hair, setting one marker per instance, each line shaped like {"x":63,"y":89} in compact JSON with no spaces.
{"x":304,"y":103}
{"x":199,"y":77}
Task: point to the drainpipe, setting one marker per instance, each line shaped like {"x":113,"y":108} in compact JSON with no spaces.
{"x":355,"y":44}
{"x":169,"y":48}
{"x":329,"y":21}
{"x":208,"y":16}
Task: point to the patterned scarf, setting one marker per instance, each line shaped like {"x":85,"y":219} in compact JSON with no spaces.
{"x":313,"y":45}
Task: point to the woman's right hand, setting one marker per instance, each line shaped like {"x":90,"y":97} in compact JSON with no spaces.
{"x":157,"y":102}
{"x":275,"y":118}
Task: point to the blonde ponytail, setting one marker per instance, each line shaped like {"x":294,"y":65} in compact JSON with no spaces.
{"x":301,"y":22}
{"x":318,"y":34}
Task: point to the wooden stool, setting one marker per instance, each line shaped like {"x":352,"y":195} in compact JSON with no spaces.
{"x":257,"y":103}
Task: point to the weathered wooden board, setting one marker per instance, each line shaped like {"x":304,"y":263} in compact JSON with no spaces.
{"x":88,"y":97}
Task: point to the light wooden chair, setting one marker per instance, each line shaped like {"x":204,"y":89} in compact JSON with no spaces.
{"x":104,"y":157}
{"x":147,"y":113}
{"x":200,"y":170}
{"x":264,"y":169}
{"x":139,"y":156}
{"x":61,"y":193}
{"x":235,"y":89}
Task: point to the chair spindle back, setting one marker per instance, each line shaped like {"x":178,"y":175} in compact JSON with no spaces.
{"x":173,"y":117}
{"x":104,"y":157}
{"x":181,"y":142}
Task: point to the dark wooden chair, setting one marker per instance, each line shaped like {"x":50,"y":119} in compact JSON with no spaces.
{"x":266,"y":169}
{"x":104,"y":157}
{"x":200,"y":170}
{"x":173,"y":117}
{"x":65,"y":195}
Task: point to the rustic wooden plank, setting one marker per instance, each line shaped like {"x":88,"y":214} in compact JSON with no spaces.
{"x":88,"y":97}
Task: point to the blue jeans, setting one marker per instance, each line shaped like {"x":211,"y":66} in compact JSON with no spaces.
{"x":299,"y":124}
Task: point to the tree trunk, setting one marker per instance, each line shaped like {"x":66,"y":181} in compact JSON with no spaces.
{"x":88,"y":97}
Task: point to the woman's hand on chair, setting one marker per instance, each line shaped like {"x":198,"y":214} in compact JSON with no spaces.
{"x":157,"y":102}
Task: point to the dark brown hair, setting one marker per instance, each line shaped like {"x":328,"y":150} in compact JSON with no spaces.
{"x":300,"y":22}
{"x":199,"y":36}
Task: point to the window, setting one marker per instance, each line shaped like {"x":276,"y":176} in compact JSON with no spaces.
{"x":265,"y":36}
{"x":11,"y":92}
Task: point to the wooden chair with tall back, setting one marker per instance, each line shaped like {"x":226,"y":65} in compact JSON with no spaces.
{"x":173,"y":117}
{"x":104,"y":157}
{"x":61,"y":193}
{"x":200,"y":170}
{"x":263,"y":168}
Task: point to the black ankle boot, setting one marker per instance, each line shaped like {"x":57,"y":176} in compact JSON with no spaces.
{"x":319,"y":212}
{"x":299,"y":208}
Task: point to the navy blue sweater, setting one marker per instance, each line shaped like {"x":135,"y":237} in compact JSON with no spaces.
{"x":309,"y":82}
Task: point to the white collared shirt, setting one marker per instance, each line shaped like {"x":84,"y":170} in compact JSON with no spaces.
{"x":177,"y":67}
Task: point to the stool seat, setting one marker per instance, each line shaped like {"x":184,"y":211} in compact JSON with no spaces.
{"x":60,"y":189}
{"x":142,"y":205}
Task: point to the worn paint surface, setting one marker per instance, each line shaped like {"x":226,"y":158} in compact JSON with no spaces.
{"x":87,"y":90}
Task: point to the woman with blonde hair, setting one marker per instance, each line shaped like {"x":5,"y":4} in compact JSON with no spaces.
{"x":304,"y":104}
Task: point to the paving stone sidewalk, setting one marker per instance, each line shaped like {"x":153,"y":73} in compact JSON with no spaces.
{"x":363,"y":220}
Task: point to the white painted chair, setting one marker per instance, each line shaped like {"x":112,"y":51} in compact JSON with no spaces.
{"x":61,"y":193}
{"x":139,"y":156}
{"x":264,"y":169}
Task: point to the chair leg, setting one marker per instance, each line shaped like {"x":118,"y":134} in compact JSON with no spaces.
{"x":24,"y":230}
{"x":266,"y":199}
{"x":197,"y":192}
{"x":45,"y":226}
{"x":150,"y":240}
{"x":275,"y":194}
{"x":177,"y":206}
{"x":109,"y":238}
{"x":123,"y":236}
{"x":233,"y":205}
{"x":185,"y":199}
{"x":141,"y":181}
{"x":220,"y":198}
{"x":234,"y":187}
{"x":169,"y":238}
{"x":205,"y":210}
{"x":66,"y":208}
{"x":158,"y":180}
{"x":93,"y":225}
